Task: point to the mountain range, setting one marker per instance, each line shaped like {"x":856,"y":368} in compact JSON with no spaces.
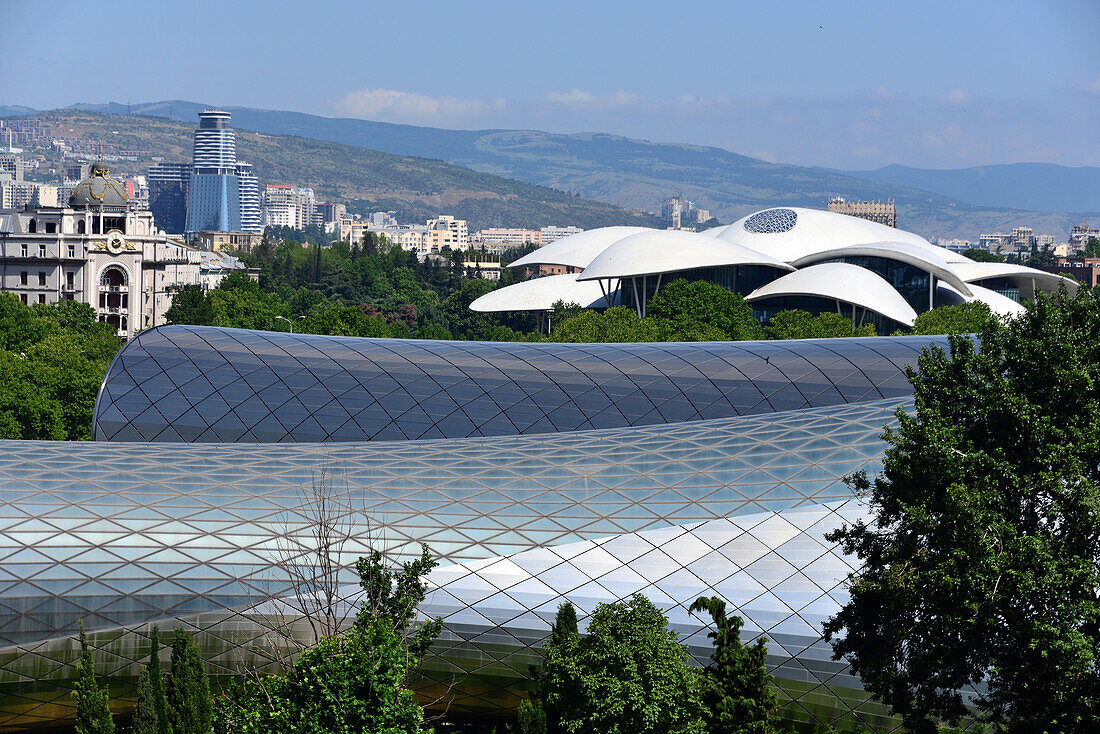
{"x":638,"y":174}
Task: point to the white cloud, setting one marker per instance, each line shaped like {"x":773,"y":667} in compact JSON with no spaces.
{"x":581,"y":99}
{"x":1092,"y":87}
{"x":956,"y":97}
{"x":394,"y":106}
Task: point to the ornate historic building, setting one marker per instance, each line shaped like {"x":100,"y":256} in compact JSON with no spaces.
{"x":98,"y":249}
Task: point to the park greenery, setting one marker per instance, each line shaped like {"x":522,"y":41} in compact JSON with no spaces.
{"x":981,"y":558}
{"x":52,"y":361}
{"x":53,"y":357}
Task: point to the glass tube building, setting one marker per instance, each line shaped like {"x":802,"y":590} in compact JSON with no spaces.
{"x":536,"y":473}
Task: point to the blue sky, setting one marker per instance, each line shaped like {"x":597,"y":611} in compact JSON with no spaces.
{"x":843,"y":84}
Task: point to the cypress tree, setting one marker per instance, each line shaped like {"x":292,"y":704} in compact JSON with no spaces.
{"x":145,"y":712}
{"x":190,"y":710}
{"x":156,"y":683}
{"x":151,"y":713}
{"x":93,"y":711}
{"x":736,"y":695}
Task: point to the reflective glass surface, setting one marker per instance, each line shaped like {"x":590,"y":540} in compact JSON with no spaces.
{"x":127,"y":534}
{"x":213,"y":385}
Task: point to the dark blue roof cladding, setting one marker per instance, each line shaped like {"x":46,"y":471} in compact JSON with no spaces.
{"x":213,"y":385}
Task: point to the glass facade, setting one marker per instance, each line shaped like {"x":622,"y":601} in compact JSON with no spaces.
{"x":207,"y":384}
{"x":680,"y":497}
{"x":124,"y":534}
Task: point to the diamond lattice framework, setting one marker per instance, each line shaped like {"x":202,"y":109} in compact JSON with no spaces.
{"x":579,"y":472}
{"x":208,"y":384}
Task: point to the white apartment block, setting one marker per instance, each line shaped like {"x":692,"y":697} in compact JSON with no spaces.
{"x":449,"y":232}
{"x":553,"y":234}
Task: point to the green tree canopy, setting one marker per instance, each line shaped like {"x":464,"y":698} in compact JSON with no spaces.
{"x":353,"y":682}
{"x":982,"y":557}
{"x":151,"y":711}
{"x":627,"y":675}
{"x":618,"y":324}
{"x":983,"y":256}
{"x":966,"y":318}
{"x":699,"y":306}
{"x":736,"y":696}
{"x":190,"y":710}
{"x":52,"y":360}
{"x":190,"y":305}
{"x":796,"y":324}
{"x":93,"y":711}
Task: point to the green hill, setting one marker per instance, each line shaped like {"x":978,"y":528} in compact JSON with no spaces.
{"x":417,"y":188}
{"x":639,"y":173}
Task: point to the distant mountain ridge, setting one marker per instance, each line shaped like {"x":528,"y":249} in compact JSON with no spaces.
{"x":639,"y":174}
{"x":368,"y":180}
{"x":1037,"y":186}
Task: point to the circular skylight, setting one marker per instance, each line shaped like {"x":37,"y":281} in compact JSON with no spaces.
{"x":771,"y":221}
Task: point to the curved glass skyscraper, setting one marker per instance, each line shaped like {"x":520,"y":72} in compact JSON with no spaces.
{"x":213,"y":202}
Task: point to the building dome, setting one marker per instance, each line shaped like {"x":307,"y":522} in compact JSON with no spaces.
{"x":99,"y":189}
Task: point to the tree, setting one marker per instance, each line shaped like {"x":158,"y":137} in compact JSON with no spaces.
{"x":93,"y":711}
{"x":983,"y":256}
{"x":145,"y":714}
{"x":797,"y":324}
{"x":1092,"y":248}
{"x":530,"y":717}
{"x":394,"y":596}
{"x":628,"y":675}
{"x":151,"y":711}
{"x":965,"y":318}
{"x":618,"y":324}
{"x":355,"y":681}
{"x":52,"y":360}
{"x":698,"y":306}
{"x":188,"y":691}
{"x":190,"y":305}
{"x":735,"y":695}
{"x":982,"y":554}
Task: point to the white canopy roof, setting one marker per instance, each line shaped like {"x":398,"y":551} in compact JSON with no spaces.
{"x":998,"y":304}
{"x":791,"y":233}
{"x":841,"y":282}
{"x":971,"y":272}
{"x":663,"y":251}
{"x":540,"y":294}
{"x":925,"y":258}
{"x":577,"y":250}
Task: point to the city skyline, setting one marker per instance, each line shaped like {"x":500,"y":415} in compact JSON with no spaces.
{"x":936,"y":86}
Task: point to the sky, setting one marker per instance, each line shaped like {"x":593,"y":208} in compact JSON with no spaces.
{"x":851,"y":85}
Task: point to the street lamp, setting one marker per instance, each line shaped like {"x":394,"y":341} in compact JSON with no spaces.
{"x":284,"y":318}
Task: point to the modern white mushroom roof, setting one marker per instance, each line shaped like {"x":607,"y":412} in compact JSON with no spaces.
{"x":540,"y":294}
{"x":791,"y":233}
{"x":661,"y":251}
{"x":849,"y":284}
{"x":784,"y":238}
{"x":577,"y":250}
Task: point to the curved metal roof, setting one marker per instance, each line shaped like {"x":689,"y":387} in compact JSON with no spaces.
{"x":924,"y":258}
{"x":576,"y":250}
{"x":841,"y":282}
{"x":664,"y":251}
{"x":209,"y":384}
{"x":540,"y":294}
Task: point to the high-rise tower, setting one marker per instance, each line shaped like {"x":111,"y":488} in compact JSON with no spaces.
{"x":213,"y":203}
{"x":168,"y":184}
{"x":249,"y":191}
